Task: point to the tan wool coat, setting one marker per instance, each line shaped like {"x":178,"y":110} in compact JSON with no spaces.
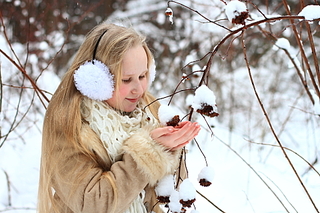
{"x":93,"y":184}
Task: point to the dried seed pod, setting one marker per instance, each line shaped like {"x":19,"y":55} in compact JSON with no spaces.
{"x":168,"y":116}
{"x":205,"y":177}
{"x":240,"y":18}
{"x":174,"y":121}
{"x":204,"y":182}
{"x":163,"y":199}
{"x":208,"y":110}
{"x":164,"y":189}
{"x":187,"y":203}
{"x":187,"y":193}
{"x":237,"y":12}
{"x":168,"y":12}
{"x":204,"y":102}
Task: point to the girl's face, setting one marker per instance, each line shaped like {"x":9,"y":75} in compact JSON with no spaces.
{"x":134,"y":80}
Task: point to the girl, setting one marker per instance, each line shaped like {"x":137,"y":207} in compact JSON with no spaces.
{"x":103,"y":150}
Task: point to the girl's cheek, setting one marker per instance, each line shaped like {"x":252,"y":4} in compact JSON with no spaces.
{"x":124,"y":90}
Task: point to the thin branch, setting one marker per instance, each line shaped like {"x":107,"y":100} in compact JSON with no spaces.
{"x":286,"y":148}
{"x":270,"y":124}
{"x":197,"y":12}
{"x":210,"y":201}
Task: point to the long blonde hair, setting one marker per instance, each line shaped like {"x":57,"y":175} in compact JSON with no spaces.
{"x":63,"y":118}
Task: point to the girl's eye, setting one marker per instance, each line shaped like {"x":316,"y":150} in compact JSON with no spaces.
{"x":142,"y":76}
{"x":126,"y":80}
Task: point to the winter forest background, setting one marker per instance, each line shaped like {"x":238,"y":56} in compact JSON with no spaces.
{"x":264,"y":146}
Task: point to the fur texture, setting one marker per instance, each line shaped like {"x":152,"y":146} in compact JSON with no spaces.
{"x":153,"y":159}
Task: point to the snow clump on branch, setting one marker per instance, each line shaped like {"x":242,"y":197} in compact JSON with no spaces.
{"x":310,"y":12}
{"x":165,"y":188}
{"x":187,"y":193}
{"x":175,"y":205}
{"x":205,"y":177}
{"x":168,"y":116}
{"x":204,"y":102}
{"x":283,"y":43}
{"x":236,"y":12}
{"x":169,"y":13}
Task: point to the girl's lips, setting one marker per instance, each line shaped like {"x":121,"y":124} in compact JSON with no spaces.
{"x":133,"y":100}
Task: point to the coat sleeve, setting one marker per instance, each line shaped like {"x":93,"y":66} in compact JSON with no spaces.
{"x":84,"y":186}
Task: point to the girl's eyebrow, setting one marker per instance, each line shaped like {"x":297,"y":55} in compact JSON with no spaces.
{"x":132,"y":74}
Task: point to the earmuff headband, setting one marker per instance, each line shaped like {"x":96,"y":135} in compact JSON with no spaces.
{"x":93,"y":79}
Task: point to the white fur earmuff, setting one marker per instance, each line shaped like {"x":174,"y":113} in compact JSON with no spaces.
{"x":152,"y":72}
{"x":94,"y":80}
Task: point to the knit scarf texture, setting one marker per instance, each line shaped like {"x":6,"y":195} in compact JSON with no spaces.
{"x":114,"y":127}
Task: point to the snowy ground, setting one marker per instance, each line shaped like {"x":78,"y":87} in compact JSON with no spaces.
{"x":236,"y":188}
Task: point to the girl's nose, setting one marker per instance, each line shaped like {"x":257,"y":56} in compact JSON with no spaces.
{"x":137,"y":88}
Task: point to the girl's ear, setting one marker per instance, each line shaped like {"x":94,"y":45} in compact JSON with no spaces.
{"x":94,"y":80}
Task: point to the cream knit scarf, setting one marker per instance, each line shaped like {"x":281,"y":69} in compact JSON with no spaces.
{"x":113,"y":129}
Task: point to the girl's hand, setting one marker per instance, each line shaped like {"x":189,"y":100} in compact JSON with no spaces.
{"x":176,"y":137}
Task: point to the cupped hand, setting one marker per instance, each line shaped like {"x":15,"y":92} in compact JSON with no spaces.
{"x":176,"y":137}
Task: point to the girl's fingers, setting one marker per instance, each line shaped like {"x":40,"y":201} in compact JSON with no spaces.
{"x":188,"y":132}
{"x":176,"y":137}
{"x":157,"y":133}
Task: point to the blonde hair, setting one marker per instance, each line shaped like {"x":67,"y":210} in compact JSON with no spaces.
{"x":63,"y":118}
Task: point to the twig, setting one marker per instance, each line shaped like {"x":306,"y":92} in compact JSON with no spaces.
{"x":256,"y":173}
{"x":294,"y":152}
{"x":270,"y":124}
{"x":8,"y":187}
{"x":303,"y":53}
{"x":197,"y":12}
{"x":210,"y":201}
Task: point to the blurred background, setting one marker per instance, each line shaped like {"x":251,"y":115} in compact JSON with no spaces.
{"x":41,"y":37}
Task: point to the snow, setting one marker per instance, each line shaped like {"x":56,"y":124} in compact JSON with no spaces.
{"x":175,"y":205}
{"x":206,"y":173}
{"x":234,"y":8}
{"x":169,"y":13}
{"x":94,"y":80}
{"x":166,"y":113}
{"x":203,"y":95}
{"x":283,"y":43}
{"x":310,"y":12}
{"x":316,"y":105}
{"x":187,"y":190}
{"x":165,"y":186}
{"x":235,"y":187}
